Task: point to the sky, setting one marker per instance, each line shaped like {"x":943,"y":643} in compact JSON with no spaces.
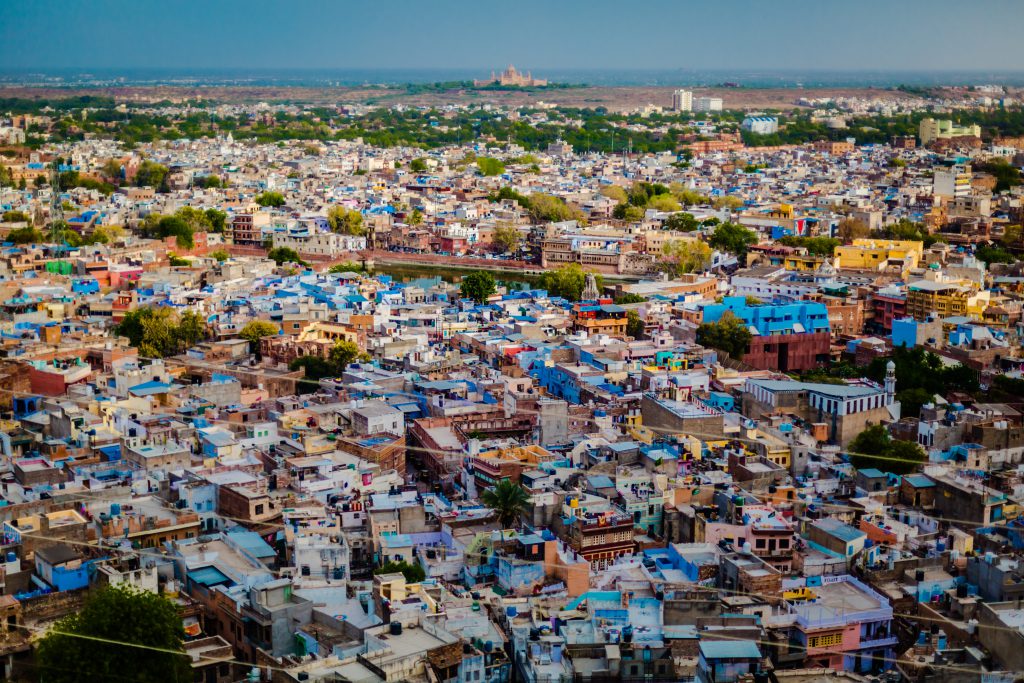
{"x":854,"y":35}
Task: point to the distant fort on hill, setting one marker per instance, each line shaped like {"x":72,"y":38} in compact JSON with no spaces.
{"x":511,"y":78}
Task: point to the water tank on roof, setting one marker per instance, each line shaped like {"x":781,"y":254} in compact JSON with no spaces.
{"x":115,"y":509}
{"x":396,"y":628}
{"x":12,"y":556}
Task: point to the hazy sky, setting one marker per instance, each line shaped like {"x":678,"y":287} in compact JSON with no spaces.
{"x":481,"y":34}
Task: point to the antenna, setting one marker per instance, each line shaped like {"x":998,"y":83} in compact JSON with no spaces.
{"x":56,"y":210}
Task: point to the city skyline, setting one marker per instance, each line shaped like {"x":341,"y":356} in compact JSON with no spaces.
{"x":454,"y":34}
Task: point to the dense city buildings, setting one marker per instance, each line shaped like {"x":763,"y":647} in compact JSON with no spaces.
{"x":386,"y":390}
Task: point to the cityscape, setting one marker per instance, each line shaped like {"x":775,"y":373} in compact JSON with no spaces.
{"x":584,"y":361}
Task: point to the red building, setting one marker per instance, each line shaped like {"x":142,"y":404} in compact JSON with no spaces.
{"x":789,"y":352}
{"x":888,"y":307}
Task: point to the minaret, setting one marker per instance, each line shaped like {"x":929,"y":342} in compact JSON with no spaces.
{"x":890,"y":382}
{"x":590,"y":292}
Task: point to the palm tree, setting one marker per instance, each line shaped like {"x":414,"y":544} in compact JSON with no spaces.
{"x":508,"y":499}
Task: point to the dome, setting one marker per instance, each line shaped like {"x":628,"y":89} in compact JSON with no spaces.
{"x":890,"y":365}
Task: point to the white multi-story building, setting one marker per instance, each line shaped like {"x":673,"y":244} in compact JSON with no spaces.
{"x":682,"y":100}
{"x":707,"y":104}
{"x":952,"y":182}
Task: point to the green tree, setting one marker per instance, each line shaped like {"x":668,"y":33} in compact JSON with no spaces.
{"x":478,"y":286}
{"x":413,"y":573}
{"x":628,"y":212}
{"x":615,"y":192}
{"x":733,"y":238}
{"x":347,"y":267}
{"x":155,"y":225}
{"x":274,"y":199}
{"x":850,"y":229}
{"x":254,"y":330}
{"x":196,"y":219}
{"x":24,"y":236}
{"x":218,"y":219}
{"x":683,"y":256}
{"x":281,"y":255}
{"x":345,"y":352}
{"x":507,"y":238}
{"x":912,"y":399}
{"x":548,"y":208}
{"x":729,"y":334}
{"x":508,"y":500}
{"x":819,"y":246}
{"x":220,"y":255}
{"x":416,"y":217}
{"x":664,"y":202}
{"x":490,"y":166}
{"x":874,"y":448}
{"x":121,"y":631}
{"x":990,"y":253}
{"x":177,"y":261}
{"x":681,"y":222}
{"x":418,"y":165}
{"x":153,"y":331}
{"x":686,"y":196}
{"x":345,"y":221}
{"x":728,"y":202}
{"x":191,"y":328}
{"x":634,"y":324}
{"x":151,"y":174}
{"x":16,"y":217}
{"x":567,"y":281}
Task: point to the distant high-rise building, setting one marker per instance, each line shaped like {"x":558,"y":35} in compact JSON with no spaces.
{"x":707,"y":104}
{"x":682,"y":100}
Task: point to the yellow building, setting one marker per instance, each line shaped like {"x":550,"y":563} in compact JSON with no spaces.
{"x":932,"y":129}
{"x":869,"y":254}
{"x":941,"y":298}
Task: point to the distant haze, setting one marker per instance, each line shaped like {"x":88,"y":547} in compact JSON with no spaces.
{"x":546,"y":36}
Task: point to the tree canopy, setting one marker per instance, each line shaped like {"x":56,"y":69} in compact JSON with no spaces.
{"x":874,"y":448}
{"x":507,"y":238}
{"x":274,"y":199}
{"x":282,"y":255}
{"x":160,"y":332}
{"x":340,"y":356}
{"x":733,"y":238}
{"x":478,"y":286}
{"x":729,"y":334}
{"x":567,"y":281}
{"x":683,"y":256}
{"x":254,"y":330}
{"x":345,"y":221}
{"x":413,"y":573}
{"x":508,"y":500}
{"x":120,"y":631}
{"x":489,"y":166}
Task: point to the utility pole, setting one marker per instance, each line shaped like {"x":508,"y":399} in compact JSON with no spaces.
{"x":56,"y":211}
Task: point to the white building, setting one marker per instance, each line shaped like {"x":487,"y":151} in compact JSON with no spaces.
{"x":762,"y":125}
{"x":328,"y":244}
{"x":952,"y":182}
{"x":707,"y":104}
{"x":682,"y":100}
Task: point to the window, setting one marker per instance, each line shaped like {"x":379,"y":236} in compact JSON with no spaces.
{"x":825,"y":640}
{"x":259,"y":509}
